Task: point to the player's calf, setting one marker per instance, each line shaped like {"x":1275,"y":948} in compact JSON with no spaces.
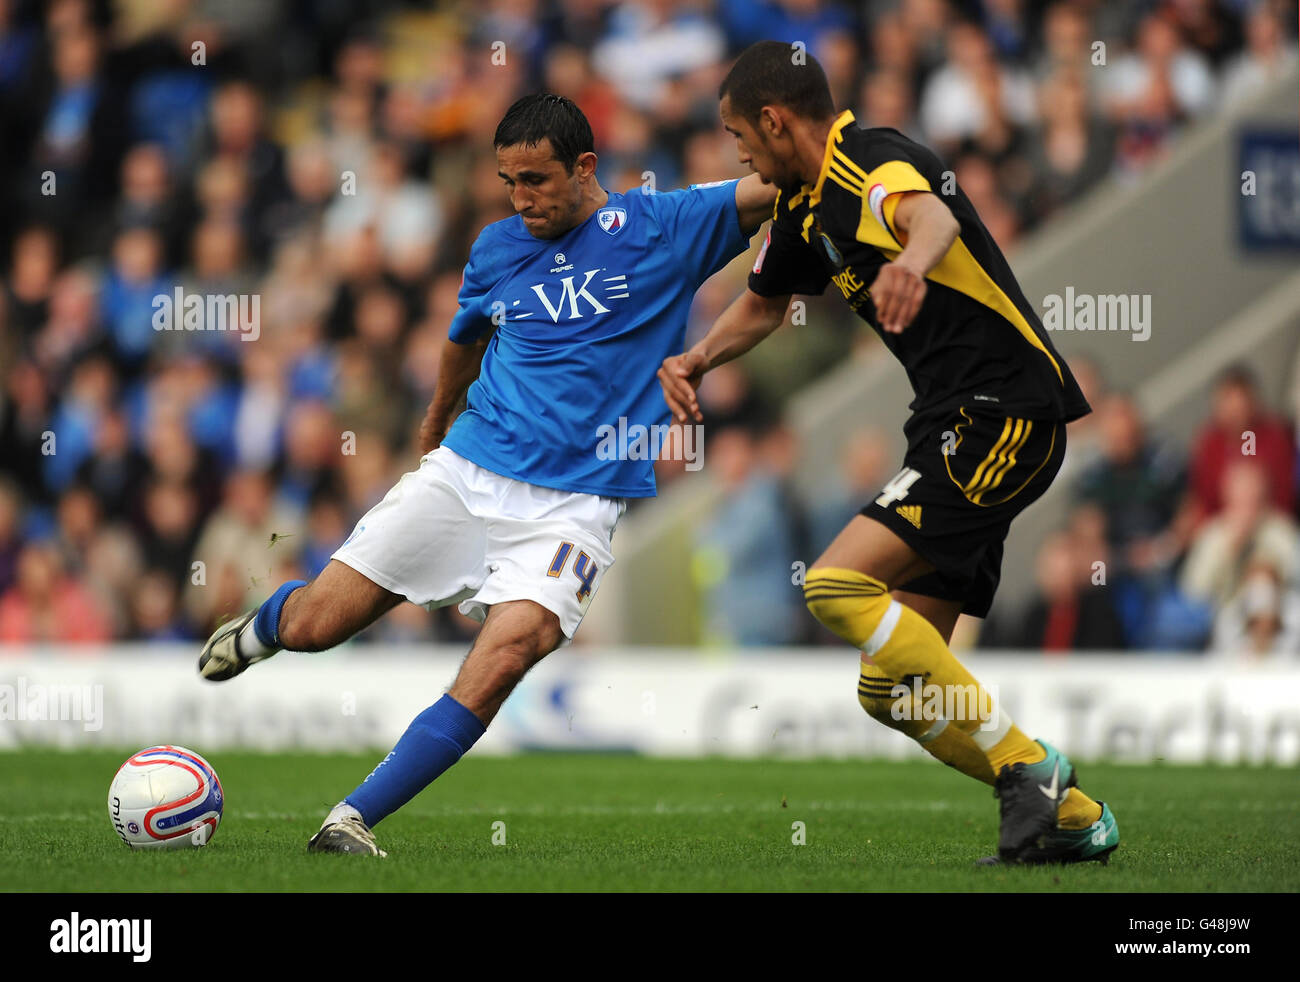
{"x":516,"y":635}
{"x":331,"y":609}
{"x":298,"y":616}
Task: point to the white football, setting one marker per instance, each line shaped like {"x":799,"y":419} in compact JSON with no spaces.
{"x":165,"y":798}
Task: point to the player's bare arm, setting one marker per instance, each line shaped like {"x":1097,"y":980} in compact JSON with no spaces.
{"x":748,"y":320}
{"x":742,"y":325}
{"x":457,"y":370}
{"x":927,"y":229}
{"x":754,"y":201}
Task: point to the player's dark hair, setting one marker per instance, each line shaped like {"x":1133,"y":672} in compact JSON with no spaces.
{"x":768,"y":73}
{"x":544,"y":116}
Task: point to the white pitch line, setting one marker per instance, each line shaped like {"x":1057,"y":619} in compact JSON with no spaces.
{"x":660,"y":809}
{"x":560,"y":812}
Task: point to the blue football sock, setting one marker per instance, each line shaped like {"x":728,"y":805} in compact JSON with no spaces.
{"x":266,"y":625}
{"x":435,"y":740}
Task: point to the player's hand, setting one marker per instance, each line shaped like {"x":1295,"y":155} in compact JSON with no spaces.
{"x":680,"y":376}
{"x":897,"y":293}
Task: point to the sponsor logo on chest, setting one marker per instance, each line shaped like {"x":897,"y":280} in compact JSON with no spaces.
{"x":573,"y":296}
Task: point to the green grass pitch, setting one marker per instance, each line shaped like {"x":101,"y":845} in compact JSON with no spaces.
{"x":610,"y":823}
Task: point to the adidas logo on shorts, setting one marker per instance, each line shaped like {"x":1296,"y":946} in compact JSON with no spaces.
{"x":910,"y":512}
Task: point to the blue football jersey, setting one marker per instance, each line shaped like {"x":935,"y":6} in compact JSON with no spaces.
{"x":582,"y":323}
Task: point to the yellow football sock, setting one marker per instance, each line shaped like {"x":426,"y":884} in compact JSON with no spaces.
{"x":1077,"y":811}
{"x":905,"y":709}
{"x":949,"y":744}
{"x":905,"y":646}
{"x":1014,"y":747}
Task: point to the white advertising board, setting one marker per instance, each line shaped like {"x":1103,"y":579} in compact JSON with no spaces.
{"x":795,"y":703}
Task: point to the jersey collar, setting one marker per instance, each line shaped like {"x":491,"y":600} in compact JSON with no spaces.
{"x":835,"y":137}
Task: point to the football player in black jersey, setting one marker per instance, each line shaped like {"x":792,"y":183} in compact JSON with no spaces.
{"x":877,"y":215}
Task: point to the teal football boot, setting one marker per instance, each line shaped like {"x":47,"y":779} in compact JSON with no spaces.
{"x":1063,"y":846}
{"x":1029,"y":796}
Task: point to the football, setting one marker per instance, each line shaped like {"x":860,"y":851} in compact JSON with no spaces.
{"x":165,"y":798}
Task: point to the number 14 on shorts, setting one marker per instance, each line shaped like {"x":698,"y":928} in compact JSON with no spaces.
{"x":583,"y":568}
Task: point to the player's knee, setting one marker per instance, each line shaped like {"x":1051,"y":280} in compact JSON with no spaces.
{"x":849,"y":603}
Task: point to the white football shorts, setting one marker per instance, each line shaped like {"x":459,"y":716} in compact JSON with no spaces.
{"x":452,"y":532}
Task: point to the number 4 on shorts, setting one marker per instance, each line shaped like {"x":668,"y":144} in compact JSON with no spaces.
{"x":583,"y":568}
{"x":896,"y":489}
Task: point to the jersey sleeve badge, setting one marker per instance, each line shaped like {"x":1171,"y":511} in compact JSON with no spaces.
{"x":762,"y":252}
{"x":876,"y":201}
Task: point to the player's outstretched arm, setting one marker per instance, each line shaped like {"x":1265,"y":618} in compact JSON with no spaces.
{"x":927,"y":229}
{"x":457,"y":369}
{"x":754,"y":201}
{"x":748,"y":320}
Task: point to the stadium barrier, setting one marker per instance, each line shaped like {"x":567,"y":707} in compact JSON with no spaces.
{"x":662,"y":702}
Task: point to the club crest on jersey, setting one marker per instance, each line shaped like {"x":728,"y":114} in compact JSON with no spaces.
{"x":611,"y":220}
{"x":832,"y":253}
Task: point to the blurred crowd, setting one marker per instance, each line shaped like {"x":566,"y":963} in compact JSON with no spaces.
{"x":1171,"y":548}
{"x":334,"y":161}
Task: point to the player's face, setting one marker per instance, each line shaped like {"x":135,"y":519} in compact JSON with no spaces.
{"x":753,"y":149}
{"x":543,"y":193}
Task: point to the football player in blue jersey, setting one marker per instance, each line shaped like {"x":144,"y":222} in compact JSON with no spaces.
{"x":566,"y":311}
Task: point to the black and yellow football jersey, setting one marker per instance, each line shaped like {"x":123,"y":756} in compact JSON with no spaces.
{"x":976,"y":340}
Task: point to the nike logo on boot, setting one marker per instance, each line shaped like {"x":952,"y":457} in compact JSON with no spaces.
{"x":1056,"y":774}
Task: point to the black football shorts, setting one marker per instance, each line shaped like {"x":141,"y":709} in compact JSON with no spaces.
{"x":967,"y":473}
